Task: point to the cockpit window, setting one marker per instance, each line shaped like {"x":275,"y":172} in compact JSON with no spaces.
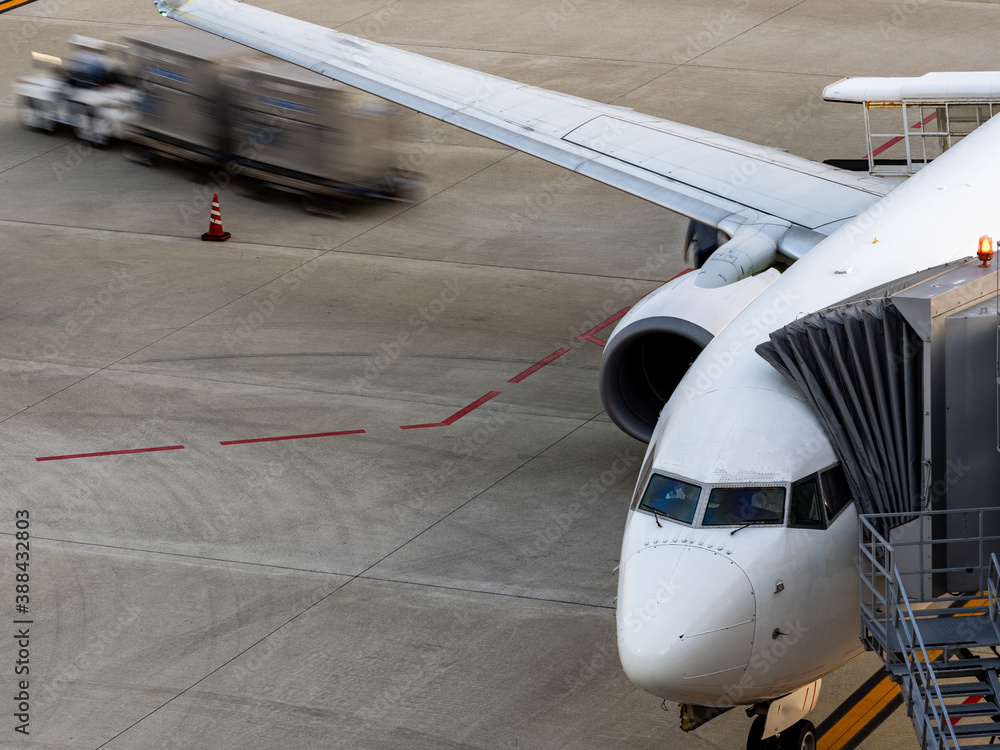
{"x":728,"y":506}
{"x":806,"y":510}
{"x":836,"y":491}
{"x":647,"y":467}
{"x":671,"y":497}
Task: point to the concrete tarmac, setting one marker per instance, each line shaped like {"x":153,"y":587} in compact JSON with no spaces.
{"x":444,"y":587}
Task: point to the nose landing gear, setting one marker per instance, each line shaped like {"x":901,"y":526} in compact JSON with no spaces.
{"x":799,"y":736}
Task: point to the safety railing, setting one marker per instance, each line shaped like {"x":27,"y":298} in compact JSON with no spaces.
{"x":924,"y":701}
{"x":877,"y":605}
{"x":969,"y":525}
{"x":891,"y":627}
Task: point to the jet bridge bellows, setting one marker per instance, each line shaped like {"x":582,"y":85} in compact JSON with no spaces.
{"x":904,"y":381}
{"x":859,"y":366}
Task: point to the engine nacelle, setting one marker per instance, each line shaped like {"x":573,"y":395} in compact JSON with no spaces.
{"x":657,"y":341}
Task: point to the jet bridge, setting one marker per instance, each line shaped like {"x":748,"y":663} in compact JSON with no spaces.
{"x":906,"y":381}
{"x":911,"y":121}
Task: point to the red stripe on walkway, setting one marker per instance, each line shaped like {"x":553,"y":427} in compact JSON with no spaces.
{"x":456,"y":416}
{"x":112,"y":453}
{"x":589,"y":335}
{"x":898,"y":138}
{"x":539,"y":365}
{"x":290,"y":437}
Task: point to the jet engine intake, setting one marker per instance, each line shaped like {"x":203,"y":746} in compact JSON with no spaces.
{"x":657,"y":341}
{"x":644,"y":366}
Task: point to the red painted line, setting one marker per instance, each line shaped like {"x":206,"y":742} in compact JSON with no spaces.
{"x":539,"y":365}
{"x":970,"y":699}
{"x":456,"y":416}
{"x":290,"y":437}
{"x":893,"y":141}
{"x":112,"y":453}
{"x":589,"y":335}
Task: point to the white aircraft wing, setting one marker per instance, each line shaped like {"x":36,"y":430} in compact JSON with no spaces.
{"x":725,"y":182}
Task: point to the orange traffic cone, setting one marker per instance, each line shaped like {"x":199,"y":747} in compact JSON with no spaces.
{"x":215,"y":233}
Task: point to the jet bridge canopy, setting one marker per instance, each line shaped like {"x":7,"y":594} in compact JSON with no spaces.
{"x":911,"y":121}
{"x":858,"y":365}
{"x":905,"y":403}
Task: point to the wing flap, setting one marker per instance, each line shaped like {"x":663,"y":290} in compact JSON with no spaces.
{"x":761,"y":184}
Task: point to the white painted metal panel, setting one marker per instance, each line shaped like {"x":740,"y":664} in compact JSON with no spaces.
{"x":752,"y":180}
{"x":536,"y":121}
{"x":957,"y":86}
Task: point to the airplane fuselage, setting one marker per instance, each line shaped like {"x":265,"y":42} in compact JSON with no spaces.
{"x":716,"y":608}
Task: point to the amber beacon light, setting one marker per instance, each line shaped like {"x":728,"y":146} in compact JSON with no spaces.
{"x":985,"y":253}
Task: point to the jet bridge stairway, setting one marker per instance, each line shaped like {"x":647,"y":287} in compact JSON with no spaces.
{"x":944,"y":651}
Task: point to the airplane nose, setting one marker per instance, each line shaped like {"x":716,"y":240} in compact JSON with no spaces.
{"x":679,"y":639}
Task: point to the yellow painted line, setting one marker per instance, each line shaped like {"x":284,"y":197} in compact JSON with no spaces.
{"x":866,"y":709}
{"x":11,"y":4}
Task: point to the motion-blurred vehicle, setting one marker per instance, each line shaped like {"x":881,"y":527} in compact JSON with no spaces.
{"x":86,"y":91}
{"x":192,"y":97}
{"x":206,"y":100}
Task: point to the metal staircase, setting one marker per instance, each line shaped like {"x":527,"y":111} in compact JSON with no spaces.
{"x":942,"y":650}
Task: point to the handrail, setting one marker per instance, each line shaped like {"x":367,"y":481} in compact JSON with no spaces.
{"x":890,"y":626}
{"x":918,"y":662}
{"x":973,"y":540}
